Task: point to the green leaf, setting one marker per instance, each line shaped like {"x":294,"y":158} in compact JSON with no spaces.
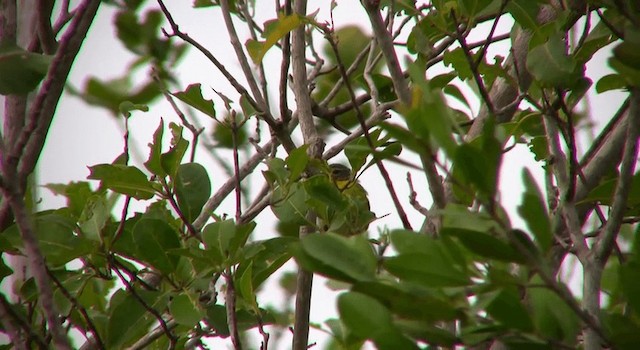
{"x":268,"y":260}
{"x":127,"y":180}
{"x":241,"y":236}
{"x":217,"y":318}
{"x":193,"y":188}
{"x":4,"y":269}
{"x":127,"y":106}
{"x":352,"y":256}
{"x":428,"y":270}
{"x":539,"y":147}
{"x":603,"y":193}
{"x":459,"y":216}
{"x":320,"y":188}
{"x":505,"y":306}
{"x":77,"y":193}
{"x":57,"y":238}
{"x":297,"y":161}
{"x":629,"y":275}
{"x":477,"y":169}
{"x":94,"y":217}
{"x":128,"y":319}
{"x":384,"y":86}
{"x":472,"y":7}
{"x":290,"y":206}
{"x":274,"y":30}
{"x":154,"y":162}
{"x":171,"y":160}
{"x":457,"y":59}
{"x":628,"y":51}
{"x":357,"y":151}
{"x":427,"y":332}
{"x":21,"y":71}
{"x":550,"y":65}
{"x":363,"y":315}
{"x":429,"y":117}
{"x":246,"y":289}
{"x":533,"y":211}
{"x":203,"y":3}
{"x":430,"y":29}
{"x":192,"y":96}
{"x":223,"y":133}
{"x":367,"y":318}
{"x":484,"y":244}
{"x":622,"y":329}
{"x":224,"y":238}
{"x":525,"y":12}
{"x":409,"y":301}
{"x":610,"y":82}
{"x":153,"y":239}
{"x":551,"y":316}
{"x":185,"y":309}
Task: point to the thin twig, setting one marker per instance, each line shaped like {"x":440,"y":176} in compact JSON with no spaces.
{"x":385,"y":42}
{"x":284,"y":69}
{"x":169,"y":195}
{"x":230,"y":304}
{"x":241,"y":56}
{"x":383,"y":171}
{"x":279,"y":129}
{"x":605,"y":243}
{"x":379,"y":114}
{"x":195,"y":132}
{"x":574,"y":165}
{"x":236,"y":166}
{"x":117,"y":267}
{"x":43,"y":24}
{"x":144,"y":342}
{"x":6,"y":316}
{"x":96,"y":336}
{"x":37,"y":266}
{"x":566,"y":208}
{"x":494,"y":26}
{"x":413,"y":198}
{"x":29,"y":147}
{"x":316,"y":146}
{"x":226,"y":188}
{"x":474,"y":67}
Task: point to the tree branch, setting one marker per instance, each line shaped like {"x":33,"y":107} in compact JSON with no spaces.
{"x":316,"y":146}
{"x":606,"y":242}
{"x":41,"y":112}
{"x":386,"y":46}
{"x":35,"y":260}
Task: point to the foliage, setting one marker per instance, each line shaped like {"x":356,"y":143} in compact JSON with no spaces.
{"x":182,"y":272}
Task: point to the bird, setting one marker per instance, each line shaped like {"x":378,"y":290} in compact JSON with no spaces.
{"x":357,"y":216}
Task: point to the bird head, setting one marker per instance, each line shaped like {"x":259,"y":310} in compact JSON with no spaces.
{"x":341,"y":176}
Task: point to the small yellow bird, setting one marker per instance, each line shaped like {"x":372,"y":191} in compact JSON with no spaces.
{"x":358,"y":215}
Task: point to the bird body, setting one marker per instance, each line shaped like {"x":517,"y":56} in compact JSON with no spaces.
{"x":357,"y":216}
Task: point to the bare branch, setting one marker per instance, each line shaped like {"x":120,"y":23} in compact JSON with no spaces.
{"x":152,"y":336}
{"x":37,"y":266}
{"x":224,"y":190}
{"x":386,"y":45}
{"x":7,"y":318}
{"x":316,"y":146}
{"x":41,"y":112}
{"x":230,"y":303}
{"x":383,"y":171}
{"x":566,"y":207}
{"x":241,"y":56}
{"x":605,"y":243}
